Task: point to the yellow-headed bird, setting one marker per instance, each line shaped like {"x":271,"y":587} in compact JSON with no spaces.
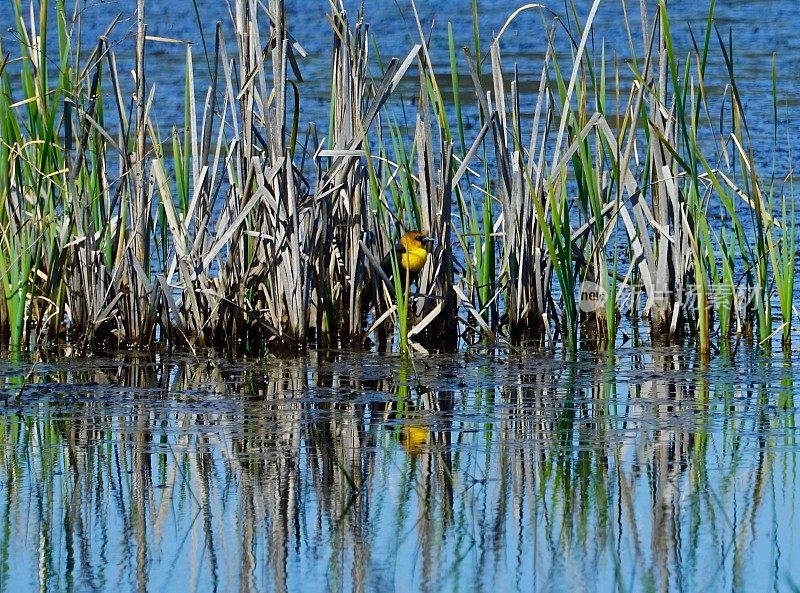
{"x":412,"y":252}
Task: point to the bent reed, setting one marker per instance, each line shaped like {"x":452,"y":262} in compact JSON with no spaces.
{"x":589,"y":199}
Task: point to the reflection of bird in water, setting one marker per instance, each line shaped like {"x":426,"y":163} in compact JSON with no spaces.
{"x":414,"y":438}
{"x":412,"y":252}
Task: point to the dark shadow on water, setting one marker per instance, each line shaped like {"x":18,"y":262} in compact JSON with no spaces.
{"x":648,"y":470}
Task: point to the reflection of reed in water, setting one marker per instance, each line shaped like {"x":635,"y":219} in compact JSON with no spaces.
{"x":334,"y":474}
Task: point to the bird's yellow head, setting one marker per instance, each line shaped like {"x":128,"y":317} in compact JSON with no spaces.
{"x":415,"y":240}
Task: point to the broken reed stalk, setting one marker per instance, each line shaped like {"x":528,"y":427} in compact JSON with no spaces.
{"x":525,"y":268}
{"x":340,"y":268}
{"x":266,"y":241}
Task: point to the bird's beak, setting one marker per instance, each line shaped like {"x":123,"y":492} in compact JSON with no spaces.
{"x":426,"y":239}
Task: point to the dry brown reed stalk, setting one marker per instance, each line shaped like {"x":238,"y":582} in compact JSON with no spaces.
{"x":110,"y":295}
{"x":91,"y":296}
{"x":528,"y":189}
{"x":192,"y":281}
{"x":74,"y":231}
{"x":286,"y":261}
{"x":433,"y":311}
{"x":137,"y":287}
{"x":436,"y":310}
{"x":667,"y":253}
{"x":272,"y":249}
{"x":672,"y":252}
{"x":340,"y":268}
{"x":526,"y":269}
{"x":540,"y":236}
{"x":348,"y":232}
{"x":242,"y":267}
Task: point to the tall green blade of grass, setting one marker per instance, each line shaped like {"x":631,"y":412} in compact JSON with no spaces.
{"x":483,"y":233}
{"x":782,"y":255}
{"x":557,"y":236}
{"x":399,"y":280}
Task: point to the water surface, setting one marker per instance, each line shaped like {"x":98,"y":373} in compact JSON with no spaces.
{"x":647,"y":471}
{"x":758,"y":29}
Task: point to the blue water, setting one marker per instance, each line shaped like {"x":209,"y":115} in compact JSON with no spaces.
{"x":759,"y":28}
{"x":646,"y":471}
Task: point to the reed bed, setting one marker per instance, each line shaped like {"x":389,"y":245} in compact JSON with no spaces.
{"x":244,"y":230}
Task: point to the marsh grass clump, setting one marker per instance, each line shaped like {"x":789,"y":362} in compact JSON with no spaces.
{"x":243,"y":229}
